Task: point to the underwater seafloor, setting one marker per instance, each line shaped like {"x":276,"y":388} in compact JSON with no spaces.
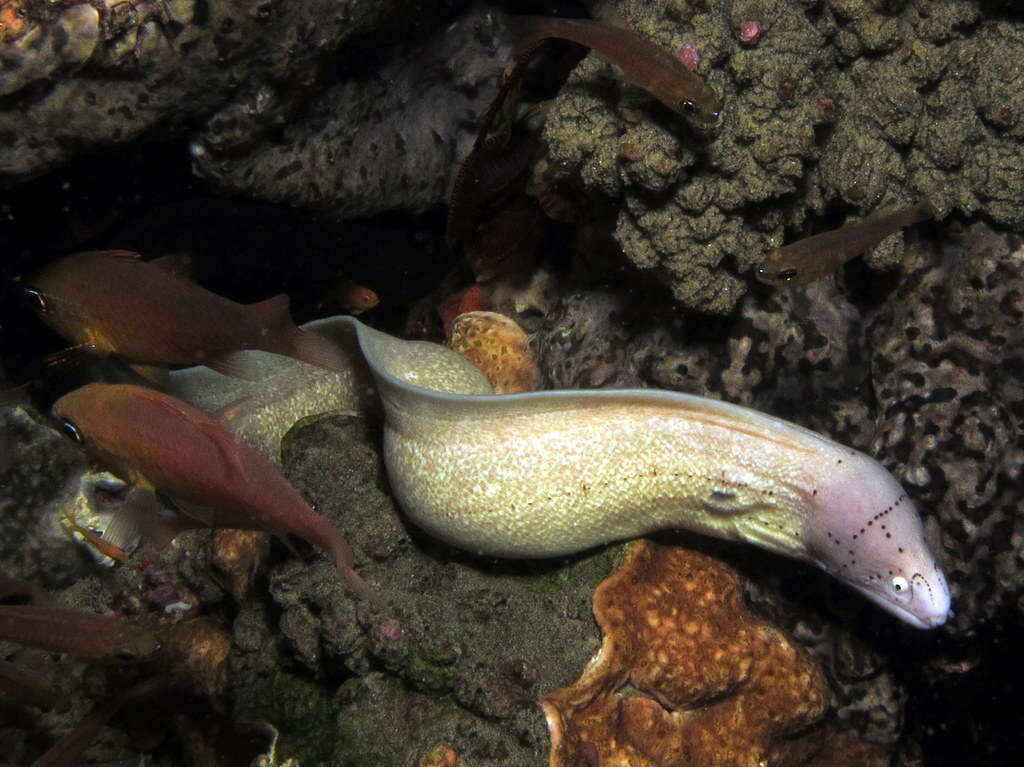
{"x":307,"y":146}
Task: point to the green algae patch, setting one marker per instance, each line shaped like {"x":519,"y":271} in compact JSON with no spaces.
{"x":304,"y":713}
{"x":358,"y":726}
{"x":426,"y":674}
{"x":586,"y":572}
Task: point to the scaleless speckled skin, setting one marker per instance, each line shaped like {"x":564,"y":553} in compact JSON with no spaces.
{"x":287,"y":392}
{"x":550,"y":473}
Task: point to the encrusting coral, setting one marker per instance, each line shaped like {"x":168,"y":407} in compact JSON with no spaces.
{"x":498,"y":347}
{"x":688,"y":675}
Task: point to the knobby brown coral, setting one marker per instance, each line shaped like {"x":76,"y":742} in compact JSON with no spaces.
{"x":688,"y":675}
{"x":499,"y":348}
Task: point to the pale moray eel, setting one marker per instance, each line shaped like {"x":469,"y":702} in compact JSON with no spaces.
{"x":288,"y":391}
{"x":550,"y":473}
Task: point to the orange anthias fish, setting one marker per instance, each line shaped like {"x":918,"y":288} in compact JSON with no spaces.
{"x":94,"y":539}
{"x":643,"y":63}
{"x":85,"y":635}
{"x":354,"y":298}
{"x":112,"y":303}
{"x":812,"y":258}
{"x":157,"y":442}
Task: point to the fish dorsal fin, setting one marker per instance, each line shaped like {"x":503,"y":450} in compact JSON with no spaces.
{"x":168,"y":404}
{"x":237,"y":364}
{"x":272,"y":313}
{"x":72,"y":357}
{"x":175,"y":265}
{"x":129,"y":256}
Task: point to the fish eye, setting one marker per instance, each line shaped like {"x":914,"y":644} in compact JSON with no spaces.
{"x":901,"y":588}
{"x":687,"y":107}
{"x":70,"y":430}
{"x":34,"y":300}
{"x":786,"y":275}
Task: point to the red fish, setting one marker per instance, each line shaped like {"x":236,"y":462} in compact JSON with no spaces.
{"x":112,"y":303}
{"x":643,"y":62}
{"x":157,"y":442}
{"x":85,"y":635}
{"x":25,"y":686}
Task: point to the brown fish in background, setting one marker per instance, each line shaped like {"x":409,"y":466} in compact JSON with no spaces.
{"x":21,"y":591}
{"x":112,"y":303}
{"x":160,"y":443}
{"x":814,"y":257}
{"x":643,"y":62}
{"x":27,"y":687}
{"x":353,"y":297}
{"x":85,"y":635}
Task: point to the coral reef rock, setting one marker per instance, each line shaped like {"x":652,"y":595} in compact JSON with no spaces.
{"x":947,"y":360}
{"x":841,"y":109}
{"x":337,"y":106}
{"x":386,"y":138}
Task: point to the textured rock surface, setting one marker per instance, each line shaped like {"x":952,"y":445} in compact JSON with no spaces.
{"x":442,"y":666}
{"x":386,"y":138}
{"x":947,"y":357}
{"x":37,"y":467}
{"x":840,"y":109}
{"x":78,"y":77}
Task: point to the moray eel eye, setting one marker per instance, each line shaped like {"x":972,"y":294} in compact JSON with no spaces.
{"x":901,"y":588}
{"x":687,"y":107}
{"x":34,"y":300}
{"x":70,"y":430}
{"x":786,"y":275}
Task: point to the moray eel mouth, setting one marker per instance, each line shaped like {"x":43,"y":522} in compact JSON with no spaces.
{"x":928,"y":606}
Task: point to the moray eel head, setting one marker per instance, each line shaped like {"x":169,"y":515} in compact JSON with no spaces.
{"x":868,"y":534}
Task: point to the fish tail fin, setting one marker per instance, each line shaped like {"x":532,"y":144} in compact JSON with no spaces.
{"x":282,"y":336}
{"x":123,"y":531}
{"x":271,"y":315}
{"x":526,"y":34}
{"x":341,"y":553}
{"x":314,"y":349}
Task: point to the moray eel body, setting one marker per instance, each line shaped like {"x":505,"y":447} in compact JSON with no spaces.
{"x":555,"y":472}
{"x":286,"y":393}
